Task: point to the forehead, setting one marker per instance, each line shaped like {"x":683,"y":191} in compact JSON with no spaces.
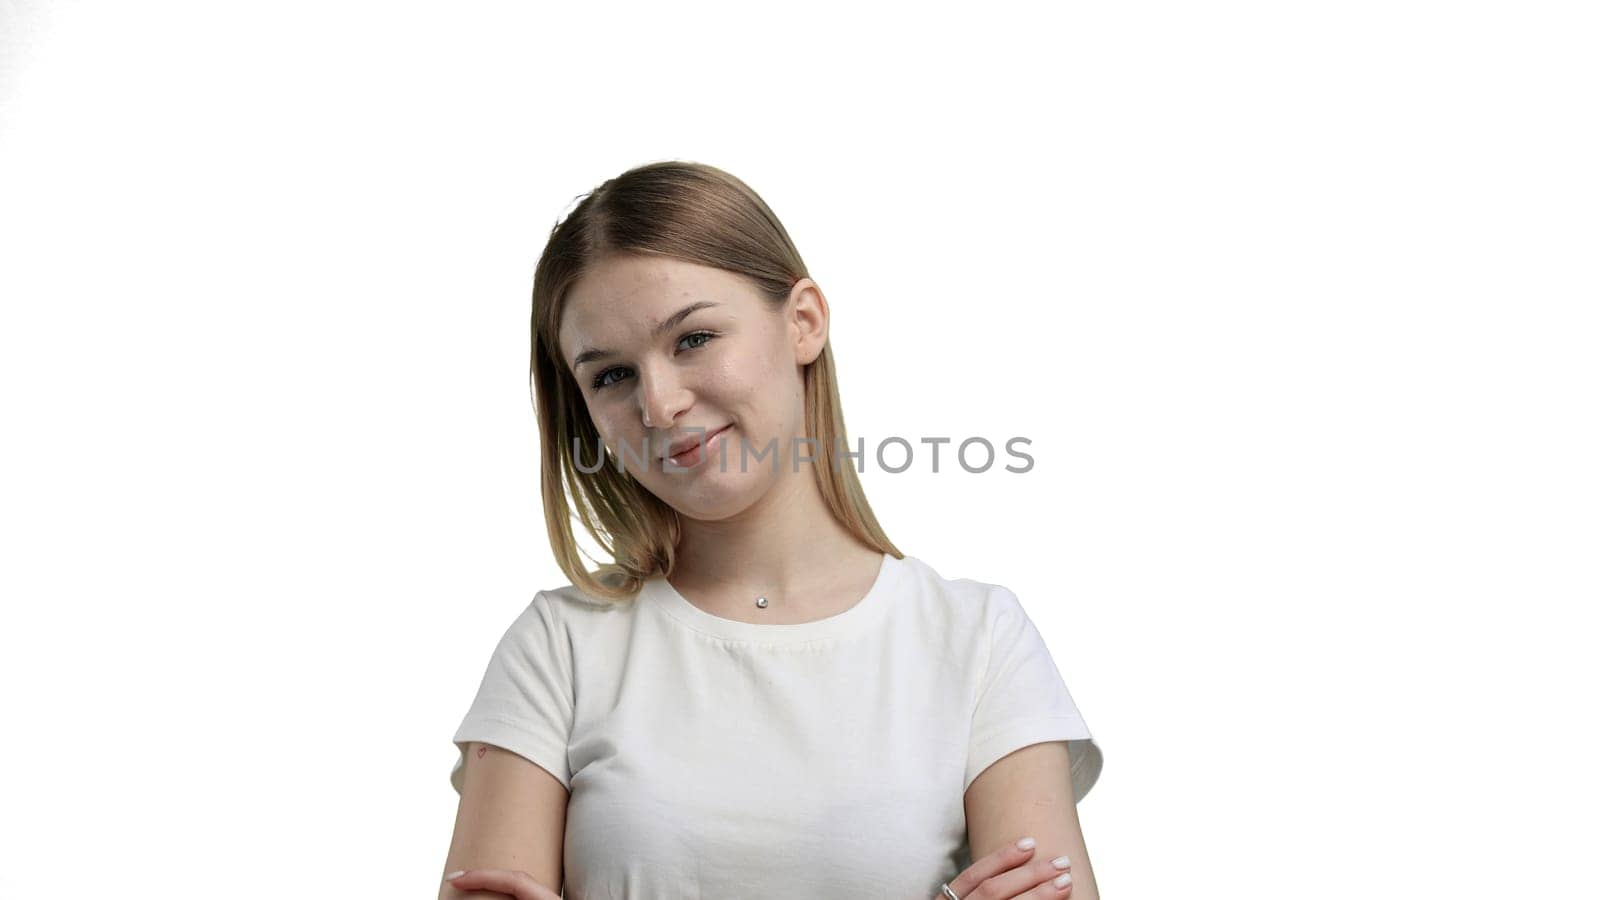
{"x":622,"y":298}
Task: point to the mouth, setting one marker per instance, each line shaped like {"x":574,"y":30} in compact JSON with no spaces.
{"x":698,"y":451}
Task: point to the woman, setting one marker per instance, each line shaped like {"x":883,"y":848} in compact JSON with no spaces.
{"x":761,"y":696}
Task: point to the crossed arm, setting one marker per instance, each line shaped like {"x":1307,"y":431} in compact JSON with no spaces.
{"x":505,"y":799}
{"x":512,"y":815}
{"x":1029,"y":792}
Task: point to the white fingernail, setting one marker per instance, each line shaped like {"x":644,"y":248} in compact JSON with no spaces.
{"x":1025,"y":844}
{"x":1064,"y":880}
{"x":1061,"y":862}
{"x":455,"y":874}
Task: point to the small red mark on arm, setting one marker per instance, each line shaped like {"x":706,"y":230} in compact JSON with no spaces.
{"x":481,"y":750}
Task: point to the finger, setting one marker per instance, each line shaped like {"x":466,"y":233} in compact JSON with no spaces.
{"x":1006,"y":858}
{"x":519,"y":885}
{"x":1057,"y":885}
{"x":1039,"y":878}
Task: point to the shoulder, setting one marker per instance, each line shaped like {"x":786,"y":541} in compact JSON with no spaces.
{"x":571,"y":597}
{"x":962,"y":597}
{"x":972,"y":610}
{"x":575,"y":610}
{"x":561,"y":618}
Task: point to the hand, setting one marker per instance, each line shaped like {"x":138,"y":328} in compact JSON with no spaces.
{"x":517,"y":885}
{"x":1007,"y":873}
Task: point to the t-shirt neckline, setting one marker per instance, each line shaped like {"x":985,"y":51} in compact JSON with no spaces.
{"x":841,"y":624}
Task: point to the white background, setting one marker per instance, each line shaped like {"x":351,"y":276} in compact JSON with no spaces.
{"x":1296,"y":303}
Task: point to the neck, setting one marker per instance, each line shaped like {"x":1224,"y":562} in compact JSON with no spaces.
{"x":786,"y":545}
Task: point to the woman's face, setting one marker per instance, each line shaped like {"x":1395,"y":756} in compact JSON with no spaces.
{"x":652,"y":377}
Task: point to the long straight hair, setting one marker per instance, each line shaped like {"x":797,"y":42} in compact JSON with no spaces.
{"x":699,"y":214}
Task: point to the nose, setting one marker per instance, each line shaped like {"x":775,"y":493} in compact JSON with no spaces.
{"x":661,"y":399}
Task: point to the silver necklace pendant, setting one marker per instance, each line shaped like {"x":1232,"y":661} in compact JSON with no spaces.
{"x":761,"y":602}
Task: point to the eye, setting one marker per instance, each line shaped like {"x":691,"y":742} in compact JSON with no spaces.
{"x":600,"y":379}
{"x":694,"y":334}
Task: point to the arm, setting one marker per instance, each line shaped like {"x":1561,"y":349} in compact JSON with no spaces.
{"x":512,"y":815}
{"x":1029,"y":792}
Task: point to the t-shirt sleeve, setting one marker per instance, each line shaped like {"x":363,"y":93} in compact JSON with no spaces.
{"x":525,"y":701}
{"x":1023,"y":700}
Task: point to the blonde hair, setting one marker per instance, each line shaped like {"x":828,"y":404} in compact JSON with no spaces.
{"x":700,"y":214}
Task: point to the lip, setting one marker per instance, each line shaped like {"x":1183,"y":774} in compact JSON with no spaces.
{"x":697,"y":450}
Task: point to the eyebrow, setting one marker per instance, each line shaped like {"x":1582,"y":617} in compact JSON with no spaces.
{"x":667,"y":324}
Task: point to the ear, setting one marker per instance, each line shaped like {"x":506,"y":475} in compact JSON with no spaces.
{"x":808,"y":320}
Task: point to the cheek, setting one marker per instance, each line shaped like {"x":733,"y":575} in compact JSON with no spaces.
{"x":730,"y":379}
{"x":764,"y":394}
{"x":762,"y":369}
{"x":607,"y":427}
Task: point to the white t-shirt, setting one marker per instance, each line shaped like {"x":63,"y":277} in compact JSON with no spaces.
{"x":707,"y":757}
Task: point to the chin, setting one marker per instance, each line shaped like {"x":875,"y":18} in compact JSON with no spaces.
{"x":720,"y":496}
